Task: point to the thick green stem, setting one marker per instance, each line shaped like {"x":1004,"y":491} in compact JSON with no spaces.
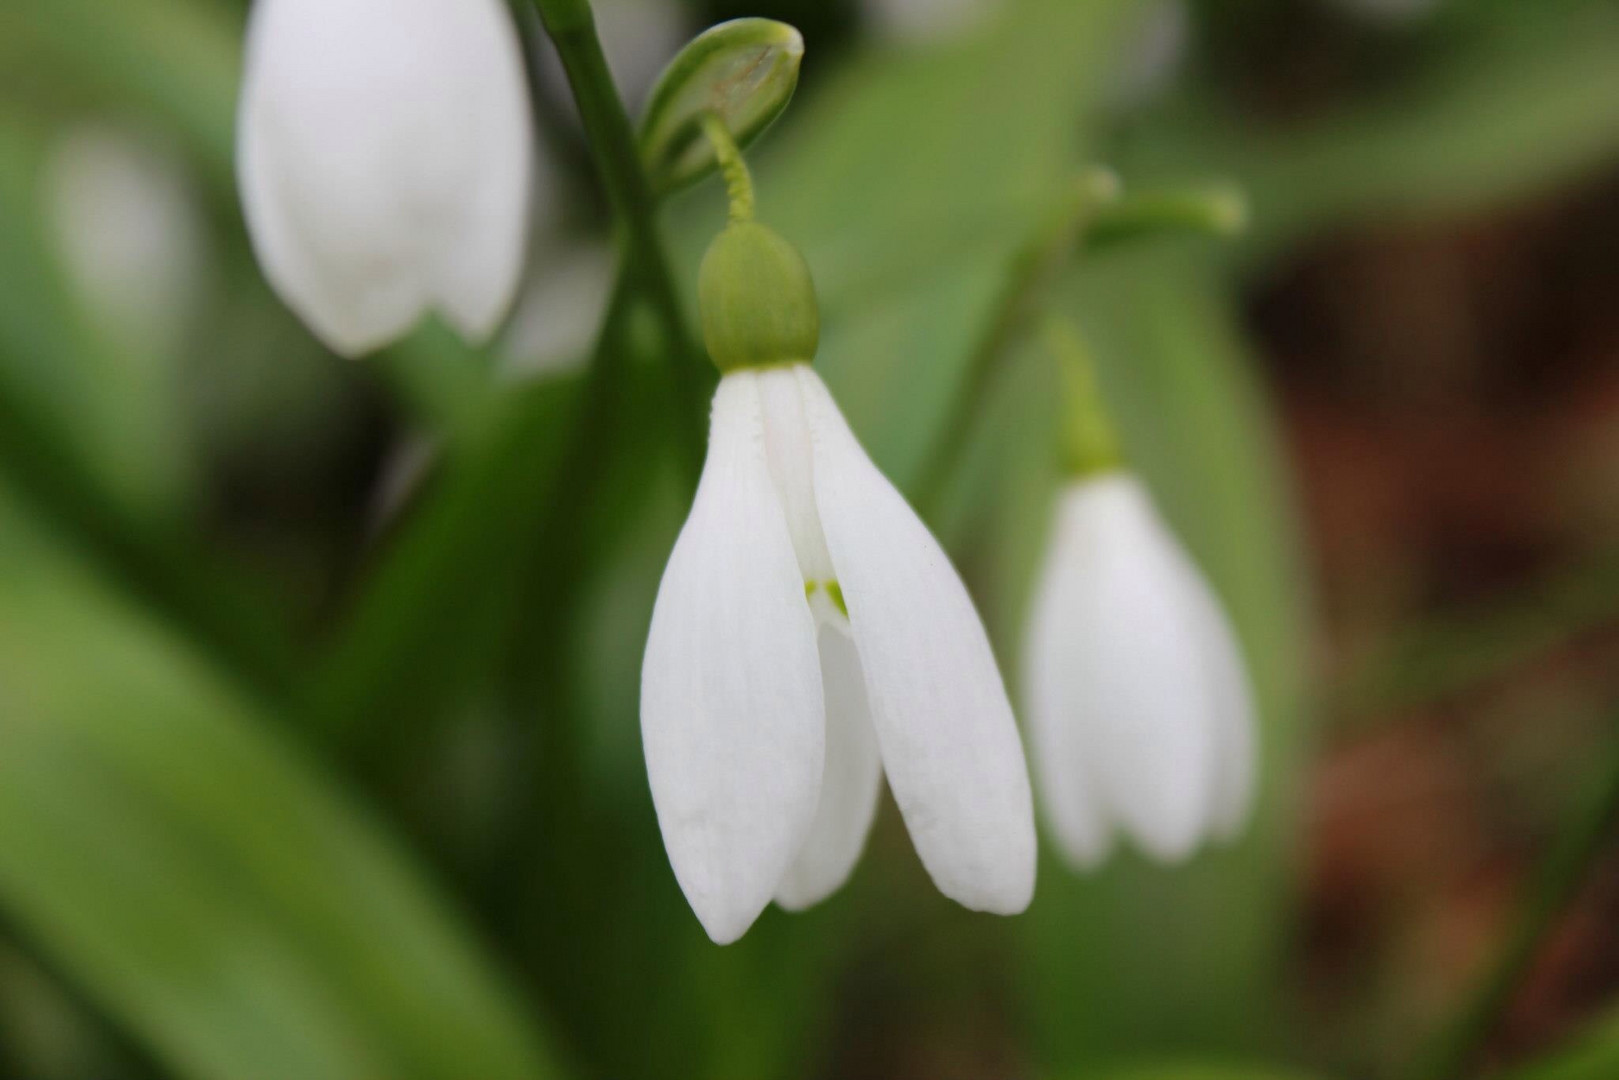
{"x":738,"y":181}
{"x":612,"y":141}
{"x":1457,"y":1047}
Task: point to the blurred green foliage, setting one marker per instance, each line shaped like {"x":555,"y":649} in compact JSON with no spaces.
{"x":390,"y":819}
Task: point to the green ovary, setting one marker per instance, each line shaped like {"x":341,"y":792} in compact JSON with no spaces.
{"x":833,"y":590}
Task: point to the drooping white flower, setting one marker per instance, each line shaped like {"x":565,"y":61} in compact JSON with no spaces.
{"x":384,"y":154}
{"x":1139,"y":707}
{"x":809,"y":636}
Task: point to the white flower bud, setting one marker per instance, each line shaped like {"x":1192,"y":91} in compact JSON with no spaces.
{"x":385,"y":153}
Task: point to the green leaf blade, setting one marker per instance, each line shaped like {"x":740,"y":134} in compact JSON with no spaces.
{"x":206,"y":887}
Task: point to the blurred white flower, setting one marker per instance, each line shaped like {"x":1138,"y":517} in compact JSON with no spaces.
{"x":385,"y":155}
{"x":810,"y":635}
{"x":130,"y":234}
{"x":559,"y":311}
{"x":927,"y":20}
{"x":1139,"y":707}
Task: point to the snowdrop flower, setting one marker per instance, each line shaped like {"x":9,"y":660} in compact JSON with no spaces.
{"x":809,"y":636}
{"x":384,"y":153}
{"x":1138,"y":703}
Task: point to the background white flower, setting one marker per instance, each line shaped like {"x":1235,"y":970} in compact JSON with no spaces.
{"x":385,"y":158}
{"x":1138,"y":703}
{"x":810,"y":635}
{"x":924,"y":20}
{"x":126,"y":222}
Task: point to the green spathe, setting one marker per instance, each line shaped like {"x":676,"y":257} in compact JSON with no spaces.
{"x":742,"y":72}
{"x":757,"y":300}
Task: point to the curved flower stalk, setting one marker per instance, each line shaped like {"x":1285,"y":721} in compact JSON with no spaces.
{"x":385,"y":153}
{"x":1138,"y":703}
{"x":810,"y":635}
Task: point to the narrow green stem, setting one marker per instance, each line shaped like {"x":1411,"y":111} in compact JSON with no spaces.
{"x":612,"y":141}
{"x":1456,"y":1048}
{"x":1033,"y":269}
{"x":738,"y":181}
{"x":1089,"y":444}
{"x":1210,"y":211}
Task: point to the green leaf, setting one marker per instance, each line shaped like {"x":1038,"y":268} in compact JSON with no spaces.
{"x":94,"y":401}
{"x":177,"y":60}
{"x":1529,"y":99}
{"x":93,"y":443}
{"x":744,"y":71}
{"x":429,"y":616}
{"x":198,"y":880}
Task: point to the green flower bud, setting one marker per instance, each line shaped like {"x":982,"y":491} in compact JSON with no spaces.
{"x":757,"y":299}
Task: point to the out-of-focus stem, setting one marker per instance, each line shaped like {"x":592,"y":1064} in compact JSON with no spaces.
{"x":1034,"y":268}
{"x":1456,"y":1048}
{"x":1210,"y":211}
{"x":1092,"y":217}
{"x":572,"y":29}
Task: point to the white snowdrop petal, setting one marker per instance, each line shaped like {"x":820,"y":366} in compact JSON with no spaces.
{"x":1136,"y":655}
{"x":787,"y":448}
{"x":1055,"y":706}
{"x":351,"y":319}
{"x":1236,"y":736}
{"x":479,"y":276}
{"x":949,"y":745}
{"x":732,"y":716}
{"x":849,"y":788}
{"x":384,"y":158}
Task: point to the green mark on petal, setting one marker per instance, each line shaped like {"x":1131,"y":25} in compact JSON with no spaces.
{"x":833,"y":590}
